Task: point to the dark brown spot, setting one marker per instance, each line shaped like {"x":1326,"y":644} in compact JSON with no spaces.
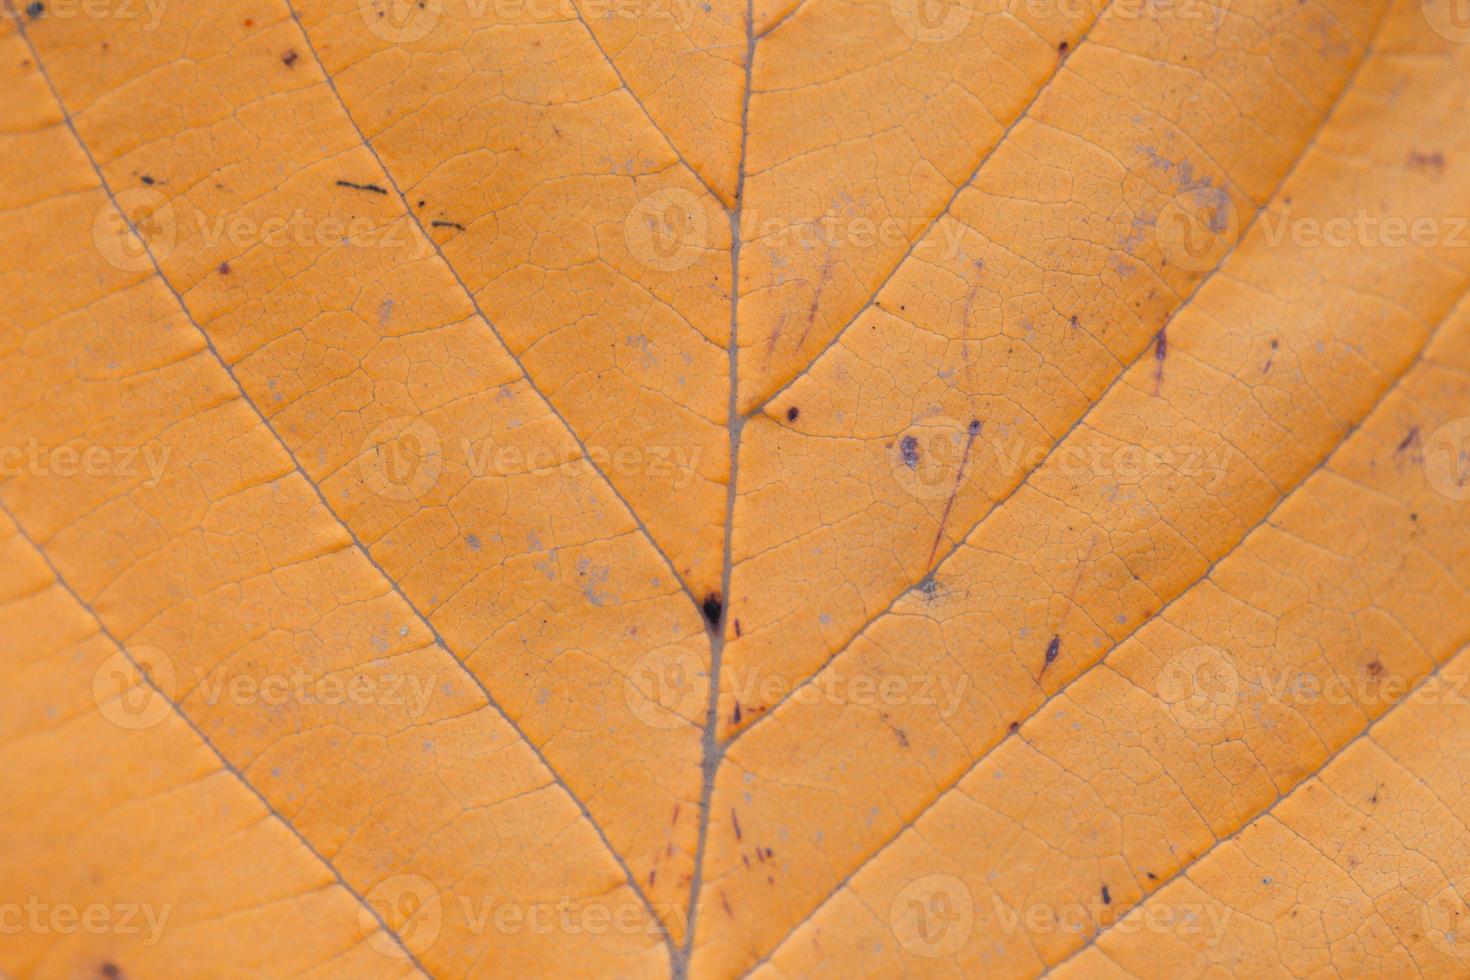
{"x":149,"y":181}
{"x":447,"y":224}
{"x":1434,"y":161}
{"x":910,"y":449}
{"x":1106,"y":896}
{"x":224,"y":268}
{"x":371,"y":188}
{"x":35,"y":10}
{"x":1409,"y":442}
{"x":712,"y":607}
{"x":793,"y":413}
{"x":289,"y":58}
{"x":1052,"y":650}
{"x":1063,"y":47}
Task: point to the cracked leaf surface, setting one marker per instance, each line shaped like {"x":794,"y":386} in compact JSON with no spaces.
{"x":714,"y":489}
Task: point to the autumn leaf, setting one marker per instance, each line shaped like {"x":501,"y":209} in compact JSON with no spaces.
{"x":704,"y":489}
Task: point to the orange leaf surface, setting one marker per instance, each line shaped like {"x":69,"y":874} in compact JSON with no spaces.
{"x":661,"y":488}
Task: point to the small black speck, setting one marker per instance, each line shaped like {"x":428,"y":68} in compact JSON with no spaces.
{"x":1015,"y":726}
{"x":1052,"y":649}
{"x":974,"y":427}
{"x":148,"y":180}
{"x":1063,"y":47}
{"x":712,"y":607}
{"x":224,"y":268}
{"x":447,"y":224}
{"x":1107,"y":896}
{"x":793,"y":413}
{"x":422,"y":202}
{"x":35,"y":10}
{"x":289,"y":59}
